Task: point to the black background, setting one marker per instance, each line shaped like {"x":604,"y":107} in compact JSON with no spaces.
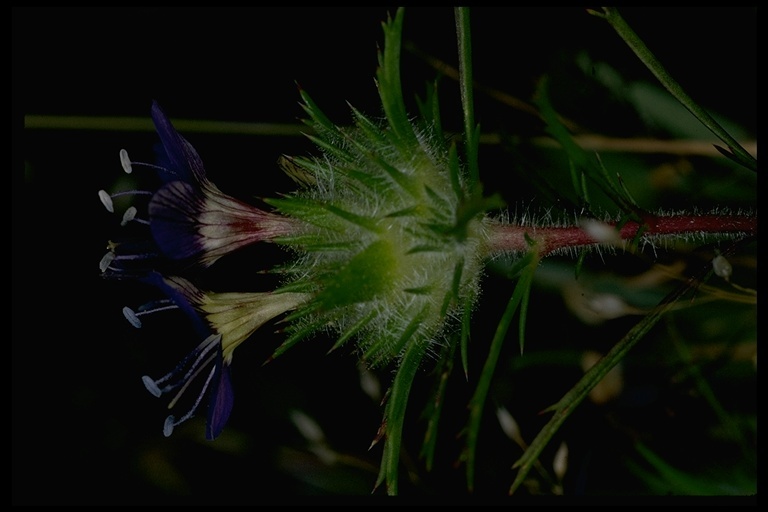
{"x":84,"y":430}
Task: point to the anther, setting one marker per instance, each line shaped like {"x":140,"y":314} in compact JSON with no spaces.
{"x":151,"y":307}
{"x":125,"y":161}
{"x":106,"y":261}
{"x":106,"y":200}
{"x":132,"y":317}
{"x":127,"y":164}
{"x":170,"y":424}
{"x":129,"y":215}
{"x":151,"y":386}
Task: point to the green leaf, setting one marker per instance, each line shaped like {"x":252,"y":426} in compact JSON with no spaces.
{"x":429,"y":110}
{"x":667,"y":479}
{"x":319,"y":120}
{"x":390,"y":88}
{"x":394,"y":415}
{"x":466,"y":84}
{"x":582,"y":161}
{"x":434,"y":407}
{"x":568,"y":403}
{"x":477,"y":403}
{"x":352,"y":331}
{"x":612,"y":16}
{"x":367,"y":223}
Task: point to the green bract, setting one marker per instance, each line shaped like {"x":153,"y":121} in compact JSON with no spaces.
{"x":392,"y":239}
{"x":391,"y":246}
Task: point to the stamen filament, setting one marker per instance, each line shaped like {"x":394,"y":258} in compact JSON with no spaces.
{"x":133,"y":316}
{"x":200,"y":352}
{"x":189,"y":378}
{"x":130,"y":215}
{"x":127,"y":164}
{"x":107,"y":199}
{"x":171,"y":422}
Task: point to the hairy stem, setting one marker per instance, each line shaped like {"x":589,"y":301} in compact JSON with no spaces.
{"x":506,"y":238}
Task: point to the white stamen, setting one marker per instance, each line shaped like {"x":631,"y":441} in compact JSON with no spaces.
{"x":151,"y":386}
{"x":170,"y":423}
{"x":106,"y":200}
{"x":129,"y":215}
{"x":125,"y":161}
{"x":132,"y":317}
{"x":192,"y":374}
{"x":722,"y":267}
{"x":106,"y":261}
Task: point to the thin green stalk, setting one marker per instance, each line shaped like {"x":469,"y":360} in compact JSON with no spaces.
{"x":395,"y":416}
{"x":612,"y":16}
{"x":706,"y":392}
{"x":435,"y":407}
{"x":568,"y":403}
{"x":477,"y":403}
{"x":471,"y":131}
{"x":144,"y":124}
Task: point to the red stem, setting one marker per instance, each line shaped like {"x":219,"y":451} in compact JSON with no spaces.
{"x":511,"y":237}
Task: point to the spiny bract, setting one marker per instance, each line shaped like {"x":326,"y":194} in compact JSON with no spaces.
{"x":391,"y":248}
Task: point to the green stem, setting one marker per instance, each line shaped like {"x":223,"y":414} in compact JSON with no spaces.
{"x":463,"y":34}
{"x":612,"y":16}
{"x":575,"y":395}
{"x":144,"y":124}
{"x":477,"y":402}
{"x":705,"y":391}
{"x":395,"y":415}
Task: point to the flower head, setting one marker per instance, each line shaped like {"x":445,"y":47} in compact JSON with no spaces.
{"x":191,"y":220}
{"x":392,"y":232}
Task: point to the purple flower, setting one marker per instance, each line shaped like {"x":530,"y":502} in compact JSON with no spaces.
{"x":192,"y":222}
{"x":202,"y":373}
{"x":190,"y":219}
{"x":224,"y":321}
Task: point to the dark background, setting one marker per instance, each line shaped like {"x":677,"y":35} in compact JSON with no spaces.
{"x":84,"y":430}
